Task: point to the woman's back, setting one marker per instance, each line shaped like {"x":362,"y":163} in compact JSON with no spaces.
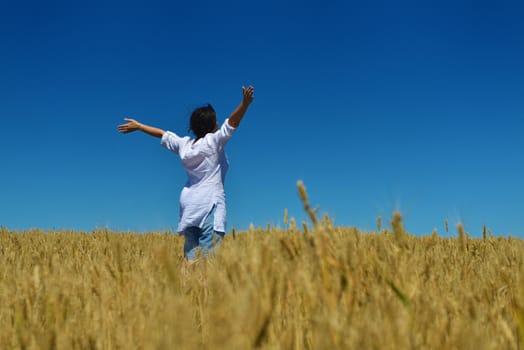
{"x":204,"y":159}
{"x":206,"y":165}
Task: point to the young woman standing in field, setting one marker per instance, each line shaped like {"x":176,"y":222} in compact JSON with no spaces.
{"x":202,"y":200}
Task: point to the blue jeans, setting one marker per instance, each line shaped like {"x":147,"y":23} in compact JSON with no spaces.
{"x":205,"y":239}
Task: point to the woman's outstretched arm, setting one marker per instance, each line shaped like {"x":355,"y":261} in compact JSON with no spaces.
{"x":133,"y":125}
{"x":247,"y":97}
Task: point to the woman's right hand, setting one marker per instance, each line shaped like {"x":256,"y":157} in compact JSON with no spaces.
{"x":248,"y":95}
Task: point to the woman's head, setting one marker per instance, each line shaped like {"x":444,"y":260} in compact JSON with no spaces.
{"x":203,"y":121}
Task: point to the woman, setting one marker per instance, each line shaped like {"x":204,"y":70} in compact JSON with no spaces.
{"x":202,"y":200}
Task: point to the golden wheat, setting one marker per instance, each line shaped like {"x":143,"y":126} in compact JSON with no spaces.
{"x":329,"y":288}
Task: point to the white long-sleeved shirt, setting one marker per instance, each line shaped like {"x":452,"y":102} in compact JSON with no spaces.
{"x":206,"y":164}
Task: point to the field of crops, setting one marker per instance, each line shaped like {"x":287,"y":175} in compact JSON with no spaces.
{"x":326,"y":288}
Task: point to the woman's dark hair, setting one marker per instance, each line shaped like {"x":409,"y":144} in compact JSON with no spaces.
{"x":203,"y":121}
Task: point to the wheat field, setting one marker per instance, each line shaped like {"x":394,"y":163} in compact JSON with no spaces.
{"x":317,"y":287}
{"x":326,"y":288}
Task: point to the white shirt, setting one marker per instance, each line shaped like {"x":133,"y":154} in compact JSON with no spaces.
{"x":206,"y":164}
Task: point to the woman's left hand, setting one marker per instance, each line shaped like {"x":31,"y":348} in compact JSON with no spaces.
{"x":130,"y":126}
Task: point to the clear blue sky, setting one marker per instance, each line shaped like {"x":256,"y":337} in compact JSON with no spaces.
{"x":376,"y":106}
